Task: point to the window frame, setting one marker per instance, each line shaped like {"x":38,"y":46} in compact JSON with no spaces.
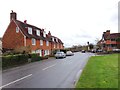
{"x":47,"y":43}
{"x":44,"y":34}
{"x":33,"y":41}
{"x":53,"y":39}
{"x":17,"y":29}
{"x":29,"y":30}
{"x":38,"y":32}
{"x":41,"y":42}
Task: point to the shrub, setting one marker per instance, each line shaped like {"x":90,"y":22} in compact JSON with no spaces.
{"x":18,"y":59}
{"x":35,"y":57}
{"x":12,"y":60}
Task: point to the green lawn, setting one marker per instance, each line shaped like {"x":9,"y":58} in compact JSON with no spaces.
{"x":100,"y":72}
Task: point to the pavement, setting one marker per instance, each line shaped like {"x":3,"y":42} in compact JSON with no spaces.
{"x":50,"y":73}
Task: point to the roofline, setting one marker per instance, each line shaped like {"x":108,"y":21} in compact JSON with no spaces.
{"x":43,"y":38}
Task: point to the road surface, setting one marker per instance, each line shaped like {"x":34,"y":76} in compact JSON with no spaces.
{"x":50,"y":73}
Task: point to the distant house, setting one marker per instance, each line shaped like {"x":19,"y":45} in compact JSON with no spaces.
{"x":21,"y":34}
{"x":110,"y":41}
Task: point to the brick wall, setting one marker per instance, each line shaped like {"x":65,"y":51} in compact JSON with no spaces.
{"x":38,"y":46}
{"x":11,"y":39}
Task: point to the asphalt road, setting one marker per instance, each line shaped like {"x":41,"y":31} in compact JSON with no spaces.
{"x":50,"y":73}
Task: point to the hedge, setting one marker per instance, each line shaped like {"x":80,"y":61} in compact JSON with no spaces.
{"x":13,"y":60}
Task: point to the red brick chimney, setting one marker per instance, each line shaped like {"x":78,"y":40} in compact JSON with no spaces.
{"x":25,"y":21}
{"x":13,"y":15}
{"x":49,"y":33}
{"x":108,"y":32}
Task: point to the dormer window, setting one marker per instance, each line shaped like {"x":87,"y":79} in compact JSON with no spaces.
{"x":38,"y":32}
{"x":56,"y":40}
{"x":29,"y":30}
{"x":17,"y":29}
{"x":44,"y":34}
{"x":53,"y":39}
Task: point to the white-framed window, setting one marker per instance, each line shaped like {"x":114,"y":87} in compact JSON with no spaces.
{"x":56,"y":40}
{"x":33,"y":41}
{"x":29,"y":30}
{"x":38,"y":32}
{"x":41,"y":42}
{"x":17,"y":29}
{"x":44,"y":34}
{"x":47,"y":43}
{"x":37,"y":51}
{"x":46,"y":52}
{"x":53,"y":39}
{"x":40,"y":52}
{"x":54,"y":45}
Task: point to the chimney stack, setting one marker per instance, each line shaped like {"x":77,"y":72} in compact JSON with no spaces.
{"x":49,"y":33}
{"x":13,"y":15}
{"x":25,"y":21}
{"x":107,"y":32}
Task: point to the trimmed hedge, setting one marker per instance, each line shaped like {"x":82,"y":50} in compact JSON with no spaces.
{"x":14,"y":60}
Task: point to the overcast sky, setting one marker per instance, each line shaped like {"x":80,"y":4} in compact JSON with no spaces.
{"x":73,"y":21}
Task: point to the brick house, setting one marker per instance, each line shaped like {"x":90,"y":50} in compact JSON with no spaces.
{"x":20,"y":34}
{"x":109,"y":41}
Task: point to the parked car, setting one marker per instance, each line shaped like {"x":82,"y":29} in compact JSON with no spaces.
{"x":60,"y":55}
{"x":93,"y":50}
{"x":69,"y":53}
{"x":116,"y":50}
{"x":83,"y":51}
{"x":99,"y":50}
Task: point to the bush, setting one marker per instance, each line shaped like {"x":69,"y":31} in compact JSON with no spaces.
{"x":35,"y":57}
{"x":15,"y":60}
{"x":12,"y":60}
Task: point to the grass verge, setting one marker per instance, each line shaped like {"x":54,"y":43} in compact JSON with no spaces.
{"x":100,"y":72}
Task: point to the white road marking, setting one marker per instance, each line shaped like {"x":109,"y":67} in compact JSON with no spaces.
{"x":15,"y":81}
{"x":48,"y":67}
{"x":77,"y":77}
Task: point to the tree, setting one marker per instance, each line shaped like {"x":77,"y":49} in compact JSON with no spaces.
{"x":91,"y":46}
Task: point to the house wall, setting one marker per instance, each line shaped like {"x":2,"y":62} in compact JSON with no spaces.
{"x":38,"y":46}
{"x":110,"y":42}
{"x":35,"y":48}
{"x":11,"y":39}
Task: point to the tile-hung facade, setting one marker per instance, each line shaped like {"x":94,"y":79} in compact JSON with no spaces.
{"x":20,"y":34}
{"x":110,"y":41}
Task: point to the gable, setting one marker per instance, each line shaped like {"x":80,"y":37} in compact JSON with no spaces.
{"x":11,"y":38}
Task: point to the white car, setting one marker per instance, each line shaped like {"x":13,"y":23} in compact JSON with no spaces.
{"x":69,"y":53}
{"x":60,"y":55}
